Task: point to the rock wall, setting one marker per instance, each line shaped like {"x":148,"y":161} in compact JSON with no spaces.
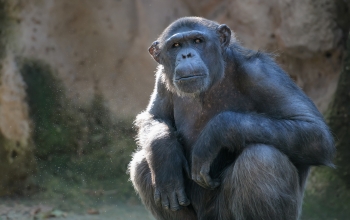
{"x":102,"y":45}
{"x":304,"y":35}
{"x":16,"y":146}
{"x":99,"y":48}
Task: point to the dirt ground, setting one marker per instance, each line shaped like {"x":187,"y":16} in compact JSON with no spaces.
{"x":13,"y":209}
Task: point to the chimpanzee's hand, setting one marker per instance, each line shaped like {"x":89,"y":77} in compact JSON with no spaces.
{"x":204,"y":152}
{"x":169,"y":190}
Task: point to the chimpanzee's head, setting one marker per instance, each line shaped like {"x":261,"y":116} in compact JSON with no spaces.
{"x":191,"y":54}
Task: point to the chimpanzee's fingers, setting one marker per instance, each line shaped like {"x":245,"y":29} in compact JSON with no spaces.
{"x":199,"y":180}
{"x":194,"y":172}
{"x":182,"y":198}
{"x":209,"y":182}
{"x":204,"y":173}
{"x":157,"y":196}
{"x":174,"y":205}
{"x":165,"y":201}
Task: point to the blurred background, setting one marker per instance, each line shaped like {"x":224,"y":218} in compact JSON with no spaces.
{"x":74,"y":74}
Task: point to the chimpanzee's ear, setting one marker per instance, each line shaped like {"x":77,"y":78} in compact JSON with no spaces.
{"x":154,"y":51}
{"x":225,"y":34}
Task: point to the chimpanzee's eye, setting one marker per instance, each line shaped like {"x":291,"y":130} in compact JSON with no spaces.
{"x":197,"y":41}
{"x":176,"y":45}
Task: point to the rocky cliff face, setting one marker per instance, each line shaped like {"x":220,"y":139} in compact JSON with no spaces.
{"x":16,"y":146}
{"x":100,"y":47}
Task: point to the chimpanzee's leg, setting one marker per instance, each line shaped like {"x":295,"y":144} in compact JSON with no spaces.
{"x":262,"y":184}
{"x":140,"y":175}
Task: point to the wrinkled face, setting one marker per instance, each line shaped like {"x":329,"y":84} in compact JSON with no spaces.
{"x":192,"y":58}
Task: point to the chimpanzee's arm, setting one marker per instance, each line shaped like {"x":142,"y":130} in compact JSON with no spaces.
{"x":284,"y":118}
{"x":156,"y":136}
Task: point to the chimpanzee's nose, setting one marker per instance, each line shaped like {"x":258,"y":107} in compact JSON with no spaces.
{"x":188,"y":55}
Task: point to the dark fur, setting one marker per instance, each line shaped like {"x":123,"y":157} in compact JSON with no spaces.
{"x":247,"y":131}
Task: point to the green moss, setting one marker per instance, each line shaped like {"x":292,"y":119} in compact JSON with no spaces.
{"x":56,"y":129}
{"x":77,"y":147}
{"x":326,"y":197}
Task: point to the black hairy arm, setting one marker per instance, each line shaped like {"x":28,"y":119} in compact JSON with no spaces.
{"x":164,"y":154}
{"x":285,"y":118}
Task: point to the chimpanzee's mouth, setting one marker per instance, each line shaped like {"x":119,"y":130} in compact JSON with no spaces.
{"x":189,"y":77}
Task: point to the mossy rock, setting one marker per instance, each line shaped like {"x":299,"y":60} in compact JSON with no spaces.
{"x":328,"y":191}
{"x":17,"y":164}
{"x":57,"y":127}
{"x":16,"y":156}
{"x":76,"y":146}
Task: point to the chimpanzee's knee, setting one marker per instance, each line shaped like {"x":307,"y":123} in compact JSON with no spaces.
{"x":140,"y":176}
{"x":263,"y":184}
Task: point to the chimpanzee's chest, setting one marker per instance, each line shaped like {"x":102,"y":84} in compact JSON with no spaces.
{"x":191,"y":114}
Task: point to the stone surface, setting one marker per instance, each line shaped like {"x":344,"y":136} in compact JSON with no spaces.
{"x":102,"y":45}
{"x":99,"y":46}
{"x":16,"y":147}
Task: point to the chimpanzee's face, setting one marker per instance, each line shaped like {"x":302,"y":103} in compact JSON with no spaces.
{"x":192,"y":59}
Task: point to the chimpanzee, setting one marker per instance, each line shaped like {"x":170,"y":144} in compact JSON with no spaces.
{"x":227,"y":134}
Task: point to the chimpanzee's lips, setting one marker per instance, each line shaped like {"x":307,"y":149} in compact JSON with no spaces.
{"x":188,"y":77}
